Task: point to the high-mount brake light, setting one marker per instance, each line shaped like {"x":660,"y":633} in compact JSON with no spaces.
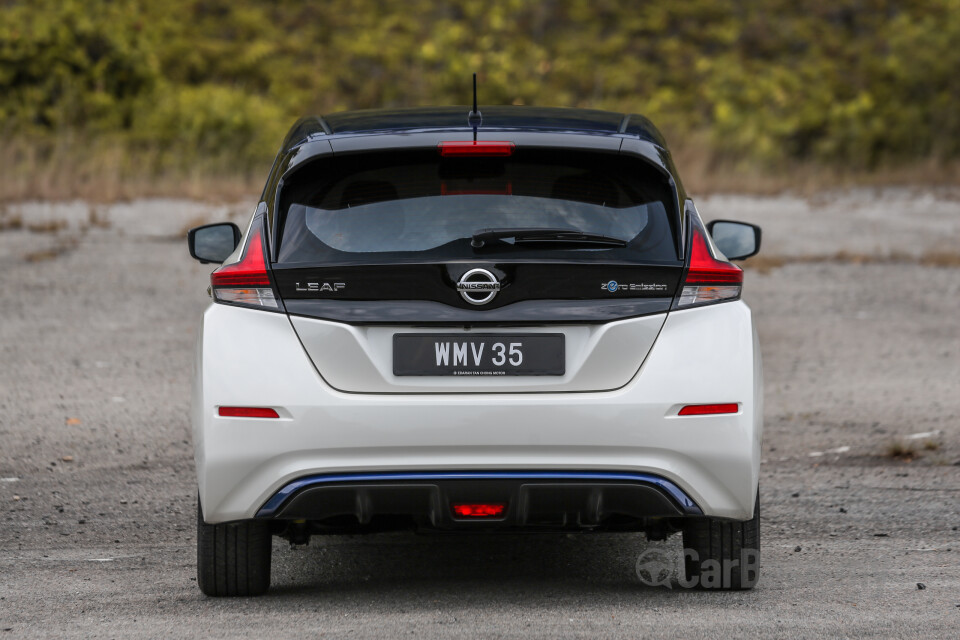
{"x":247,"y":412}
{"x":709,"y":409}
{"x":491,"y":510}
{"x":461,"y":149}
{"x":708,"y":279}
{"x":246,"y":282}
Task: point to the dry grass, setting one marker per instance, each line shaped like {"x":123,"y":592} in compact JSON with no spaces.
{"x":48,"y":226}
{"x":705,"y":173}
{"x":940,"y":259}
{"x":96,"y":219}
{"x":62,"y":247}
{"x":765,"y":264}
{"x":13,"y":223}
{"x":196,"y":221}
{"x":901,"y":450}
{"x":103,"y":171}
{"x":944,"y":259}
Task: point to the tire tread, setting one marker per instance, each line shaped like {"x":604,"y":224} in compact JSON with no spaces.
{"x":722,"y":541}
{"x":233,"y":558}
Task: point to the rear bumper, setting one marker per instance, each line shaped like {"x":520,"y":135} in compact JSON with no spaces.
{"x":706,"y":355}
{"x":529,"y":499}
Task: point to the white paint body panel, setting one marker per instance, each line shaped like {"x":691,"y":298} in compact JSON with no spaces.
{"x":360,"y":358}
{"x":247,"y":357}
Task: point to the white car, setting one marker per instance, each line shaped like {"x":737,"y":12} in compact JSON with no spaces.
{"x":441,"y":323}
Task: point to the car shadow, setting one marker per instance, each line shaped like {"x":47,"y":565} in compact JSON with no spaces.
{"x":405,"y":570}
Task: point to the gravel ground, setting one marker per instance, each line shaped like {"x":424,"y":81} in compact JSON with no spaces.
{"x":99,"y":312}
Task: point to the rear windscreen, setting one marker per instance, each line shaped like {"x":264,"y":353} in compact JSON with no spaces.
{"x":417,"y":206}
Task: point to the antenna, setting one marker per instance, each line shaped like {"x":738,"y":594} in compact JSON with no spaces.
{"x":475,"y":94}
{"x":474,"y":118}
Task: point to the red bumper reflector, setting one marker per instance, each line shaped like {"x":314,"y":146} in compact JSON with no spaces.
{"x":479,"y":510}
{"x":708,"y":409}
{"x":248,"y":412}
{"x":459,"y":149}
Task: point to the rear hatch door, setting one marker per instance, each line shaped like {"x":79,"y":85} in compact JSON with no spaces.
{"x":540,"y":270}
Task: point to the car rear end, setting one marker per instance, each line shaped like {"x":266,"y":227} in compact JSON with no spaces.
{"x":534,"y":332}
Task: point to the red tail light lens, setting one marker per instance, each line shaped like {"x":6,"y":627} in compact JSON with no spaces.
{"x":251,"y":271}
{"x":457,"y":149}
{"x":704,"y":268}
{"x":248,"y":412}
{"x":486,"y":510}
{"x":246,"y":282}
{"x":708,"y":279}
{"x":708,"y":409}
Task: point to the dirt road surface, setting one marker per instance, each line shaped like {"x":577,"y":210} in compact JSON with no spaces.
{"x":858,"y":307}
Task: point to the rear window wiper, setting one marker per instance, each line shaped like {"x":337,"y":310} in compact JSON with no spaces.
{"x":546,"y":235}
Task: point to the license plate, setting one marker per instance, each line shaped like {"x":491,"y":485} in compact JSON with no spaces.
{"x":532,"y":354}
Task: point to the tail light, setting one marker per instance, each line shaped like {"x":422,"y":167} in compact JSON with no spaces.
{"x":246,"y":282}
{"x":485,"y":510}
{"x":708,"y":279}
{"x":460,"y":149}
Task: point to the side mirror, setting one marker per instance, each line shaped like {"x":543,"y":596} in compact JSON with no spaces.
{"x":736,"y":240}
{"x":213,"y":243}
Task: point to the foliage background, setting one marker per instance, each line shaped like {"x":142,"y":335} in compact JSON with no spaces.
{"x":141,"y":91}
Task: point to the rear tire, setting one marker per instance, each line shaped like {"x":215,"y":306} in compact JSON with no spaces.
{"x":723,"y":554}
{"x":233,"y":559}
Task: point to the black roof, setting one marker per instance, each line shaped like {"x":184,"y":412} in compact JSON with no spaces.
{"x":503,"y":118}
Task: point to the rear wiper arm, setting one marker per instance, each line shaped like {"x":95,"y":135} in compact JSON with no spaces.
{"x":535,"y":234}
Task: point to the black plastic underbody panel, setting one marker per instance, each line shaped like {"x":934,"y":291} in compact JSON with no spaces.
{"x":530,"y":505}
